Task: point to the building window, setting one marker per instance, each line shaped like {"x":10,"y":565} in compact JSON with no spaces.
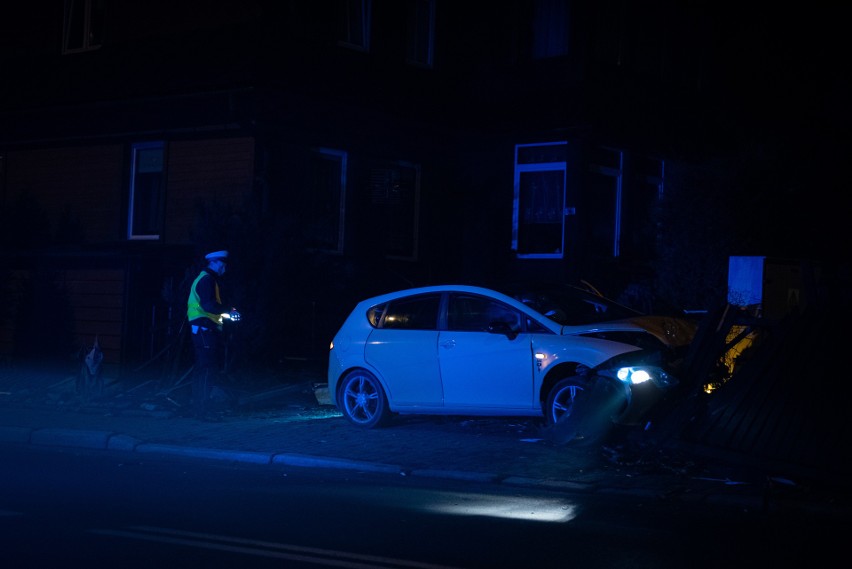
{"x":325,"y":213}
{"x":83,"y":25}
{"x":147,"y":184}
{"x":353,"y":23}
{"x":607,"y":32}
{"x":550,"y":28}
{"x":645,"y":178}
{"x":601,"y":204}
{"x":395,"y":204}
{"x":538,"y":219}
{"x":421,"y":32}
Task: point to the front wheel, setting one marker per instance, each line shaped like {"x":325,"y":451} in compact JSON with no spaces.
{"x":362,"y":399}
{"x":578,"y":409}
{"x":562,"y":399}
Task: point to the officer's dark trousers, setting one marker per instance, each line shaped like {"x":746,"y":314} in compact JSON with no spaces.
{"x":207,"y":345}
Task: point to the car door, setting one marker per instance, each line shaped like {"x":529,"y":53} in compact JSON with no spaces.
{"x":403,"y":350}
{"x":481,"y":369}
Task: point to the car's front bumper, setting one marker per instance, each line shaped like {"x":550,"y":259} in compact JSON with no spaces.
{"x":634,"y":398}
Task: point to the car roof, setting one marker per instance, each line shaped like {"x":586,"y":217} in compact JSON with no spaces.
{"x":473,"y":289}
{"x":438,"y":288}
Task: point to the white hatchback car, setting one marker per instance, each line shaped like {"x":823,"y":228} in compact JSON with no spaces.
{"x":473,"y":351}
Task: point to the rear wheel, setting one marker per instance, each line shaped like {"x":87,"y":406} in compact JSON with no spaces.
{"x":363,"y":400}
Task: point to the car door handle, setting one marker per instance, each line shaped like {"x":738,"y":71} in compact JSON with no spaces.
{"x":448,"y":344}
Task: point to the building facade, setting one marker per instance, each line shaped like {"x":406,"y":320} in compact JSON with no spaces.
{"x":338,"y":148}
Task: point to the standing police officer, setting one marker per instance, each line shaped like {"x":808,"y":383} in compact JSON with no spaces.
{"x":205,"y":313}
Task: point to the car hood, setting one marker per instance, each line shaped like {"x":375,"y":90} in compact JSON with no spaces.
{"x":671,"y":331}
{"x":674,"y":332}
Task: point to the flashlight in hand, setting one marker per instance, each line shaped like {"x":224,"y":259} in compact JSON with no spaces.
{"x":233,"y":315}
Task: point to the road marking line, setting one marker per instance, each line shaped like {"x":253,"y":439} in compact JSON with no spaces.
{"x":266,"y":548}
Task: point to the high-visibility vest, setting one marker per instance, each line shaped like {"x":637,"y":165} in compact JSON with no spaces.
{"x":193,"y":304}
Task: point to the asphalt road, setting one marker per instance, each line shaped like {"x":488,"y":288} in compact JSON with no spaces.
{"x":95,"y":509}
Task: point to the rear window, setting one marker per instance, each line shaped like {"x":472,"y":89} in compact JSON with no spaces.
{"x":412,"y":313}
{"x":375,"y":313}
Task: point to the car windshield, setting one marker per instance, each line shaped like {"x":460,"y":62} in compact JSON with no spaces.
{"x":568,"y":305}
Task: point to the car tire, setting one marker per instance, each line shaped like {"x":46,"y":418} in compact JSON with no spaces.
{"x":563,"y":398}
{"x":362,"y":399}
{"x":574,"y":414}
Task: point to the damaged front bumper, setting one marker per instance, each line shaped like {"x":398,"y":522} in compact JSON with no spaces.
{"x":634,"y":385}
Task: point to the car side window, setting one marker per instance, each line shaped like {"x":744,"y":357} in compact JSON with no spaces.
{"x":374,"y":314}
{"x":469,"y":313}
{"x":536,"y":327}
{"x":413,"y":313}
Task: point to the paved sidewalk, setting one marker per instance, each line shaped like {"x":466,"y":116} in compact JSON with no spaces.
{"x":291,"y":424}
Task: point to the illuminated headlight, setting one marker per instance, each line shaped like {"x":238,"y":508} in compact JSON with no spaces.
{"x":633,"y":375}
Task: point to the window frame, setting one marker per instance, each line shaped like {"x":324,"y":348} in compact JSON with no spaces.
{"x":89,"y":16}
{"x":356,"y":24}
{"x":522,"y":168}
{"x":551,"y":29}
{"x":134,"y":190}
{"x":379,"y":174}
{"x":319,"y":191}
{"x":645,"y":179}
{"x":615,"y":172}
{"x":420,"y":40}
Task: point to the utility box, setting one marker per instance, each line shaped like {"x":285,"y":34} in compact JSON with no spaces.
{"x":773,"y":287}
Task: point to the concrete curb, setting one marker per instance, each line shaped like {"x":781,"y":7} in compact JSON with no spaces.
{"x":324,"y":462}
{"x":214,"y":453}
{"x":71,"y":438}
{"x":107,"y":440}
{"x":123,"y":442}
{"x":15,"y":434}
{"x":552,"y":484}
{"x":456,"y":475}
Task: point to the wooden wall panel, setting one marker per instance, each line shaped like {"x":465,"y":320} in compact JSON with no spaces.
{"x":218,"y":170}
{"x":12,"y":289}
{"x":97,"y":299}
{"x":83,"y":183}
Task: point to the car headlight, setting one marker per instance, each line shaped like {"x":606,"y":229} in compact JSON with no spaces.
{"x":632,"y":375}
{"x":636,"y":375}
{"x":637,"y":368}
